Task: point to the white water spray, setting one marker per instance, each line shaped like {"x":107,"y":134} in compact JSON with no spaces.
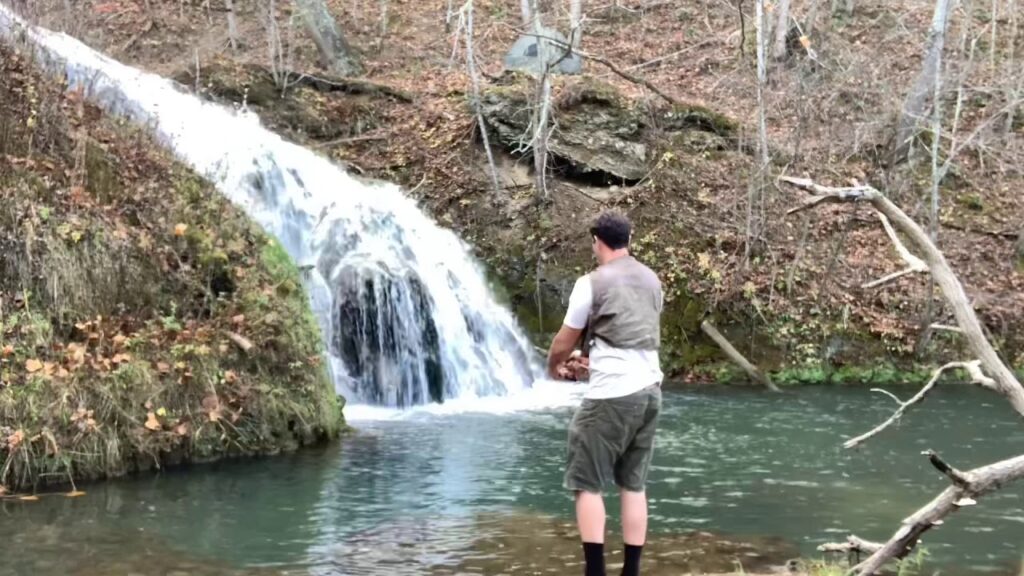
{"x":406,"y":313}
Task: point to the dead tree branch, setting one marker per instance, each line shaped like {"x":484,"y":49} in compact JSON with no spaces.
{"x":914,"y":264}
{"x":852,"y":544}
{"x":1004,"y":380}
{"x":996,"y":375}
{"x":973,"y":368}
{"x":734,"y":355}
{"x":612,"y":67}
{"x":966,"y":488}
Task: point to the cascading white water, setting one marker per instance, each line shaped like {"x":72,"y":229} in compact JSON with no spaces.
{"x":406,"y":313}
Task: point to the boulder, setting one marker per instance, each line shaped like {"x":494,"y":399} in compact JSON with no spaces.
{"x":524,"y":56}
{"x":597,"y":133}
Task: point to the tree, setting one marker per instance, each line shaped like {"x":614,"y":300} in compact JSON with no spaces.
{"x":466,"y":25}
{"x":755,"y":193}
{"x":542,"y":106}
{"x":229,"y":8}
{"x":988,"y":371}
{"x":335,"y":53}
{"x":275,"y":47}
{"x":781,"y":31}
{"x":527,"y":13}
{"x":915,"y":107}
{"x":575,"y":23}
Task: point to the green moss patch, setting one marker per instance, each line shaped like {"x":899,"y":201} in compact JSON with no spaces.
{"x":144,"y":320}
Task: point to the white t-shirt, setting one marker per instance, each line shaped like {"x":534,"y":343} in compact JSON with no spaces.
{"x":614,"y":372}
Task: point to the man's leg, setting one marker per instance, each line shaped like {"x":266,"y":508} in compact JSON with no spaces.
{"x":589,"y":467}
{"x":634,"y":530}
{"x":590,"y":516}
{"x":631,"y":476}
{"x":634,"y":518}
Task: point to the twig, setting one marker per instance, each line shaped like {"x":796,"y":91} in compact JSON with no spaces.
{"x":611,"y":66}
{"x":914,"y":264}
{"x":904,"y":406}
{"x":669,"y":56}
{"x":1000,"y":378}
{"x":350,"y":139}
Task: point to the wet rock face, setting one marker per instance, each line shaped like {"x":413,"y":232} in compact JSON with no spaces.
{"x":596,"y":134}
{"x":385,"y":333}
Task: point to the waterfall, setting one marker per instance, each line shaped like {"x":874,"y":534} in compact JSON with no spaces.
{"x":406,"y":314}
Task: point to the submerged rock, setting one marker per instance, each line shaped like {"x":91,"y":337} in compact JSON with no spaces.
{"x":524,"y":543}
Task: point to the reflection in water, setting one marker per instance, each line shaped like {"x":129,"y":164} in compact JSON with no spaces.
{"x":437,"y":494}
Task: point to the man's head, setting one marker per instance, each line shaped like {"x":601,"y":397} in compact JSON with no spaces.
{"x":610,"y":234}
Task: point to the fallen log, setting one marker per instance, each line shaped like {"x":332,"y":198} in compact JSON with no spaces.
{"x":734,"y":355}
{"x":966,"y":488}
{"x":1002,"y":379}
{"x":988,"y":371}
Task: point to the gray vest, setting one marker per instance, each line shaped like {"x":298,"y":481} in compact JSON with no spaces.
{"x":626,"y":312}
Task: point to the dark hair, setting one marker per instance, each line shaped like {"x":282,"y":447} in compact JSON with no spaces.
{"x":613,"y":229}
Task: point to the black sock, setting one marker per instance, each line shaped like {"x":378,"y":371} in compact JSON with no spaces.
{"x":593,"y":553}
{"x":631,"y":563}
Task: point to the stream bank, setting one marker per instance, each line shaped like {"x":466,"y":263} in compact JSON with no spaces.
{"x":144,"y":320}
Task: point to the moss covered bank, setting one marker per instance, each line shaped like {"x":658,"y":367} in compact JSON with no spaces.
{"x":144,"y":320}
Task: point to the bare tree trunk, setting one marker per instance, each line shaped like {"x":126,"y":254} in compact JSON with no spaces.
{"x":993,"y":45}
{"x":542,"y":108}
{"x":755,"y":193}
{"x":229,"y":7}
{"x":781,"y":31}
{"x":474,"y":78}
{"x":1013,"y":89}
{"x":933,"y":220}
{"x":1019,"y":249}
{"x":383,"y":25}
{"x":275,"y":54}
{"x":575,"y":23}
{"x":527,"y":12}
{"x":916,"y":105}
{"x":811,"y":23}
{"x":335,"y":53}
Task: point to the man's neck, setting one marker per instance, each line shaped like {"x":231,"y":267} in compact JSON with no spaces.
{"x":615,"y":255}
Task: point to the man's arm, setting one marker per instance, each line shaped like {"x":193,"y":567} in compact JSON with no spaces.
{"x":561,"y":349}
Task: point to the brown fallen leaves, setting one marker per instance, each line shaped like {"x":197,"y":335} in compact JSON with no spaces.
{"x":152,"y":423}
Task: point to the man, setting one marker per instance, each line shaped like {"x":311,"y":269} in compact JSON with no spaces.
{"x":611,"y":438}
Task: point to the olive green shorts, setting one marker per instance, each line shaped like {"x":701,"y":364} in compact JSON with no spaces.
{"x":612,"y":441}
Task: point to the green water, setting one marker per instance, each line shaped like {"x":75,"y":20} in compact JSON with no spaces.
{"x":480,"y":493}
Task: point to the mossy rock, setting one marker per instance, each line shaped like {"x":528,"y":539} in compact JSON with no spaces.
{"x":309,"y":109}
{"x":146,"y":320}
{"x":694,"y":117}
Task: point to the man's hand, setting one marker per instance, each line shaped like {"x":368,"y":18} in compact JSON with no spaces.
{"x":562,"y":350}
{"x":576,"y":368}
{"x":580,"y":366}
